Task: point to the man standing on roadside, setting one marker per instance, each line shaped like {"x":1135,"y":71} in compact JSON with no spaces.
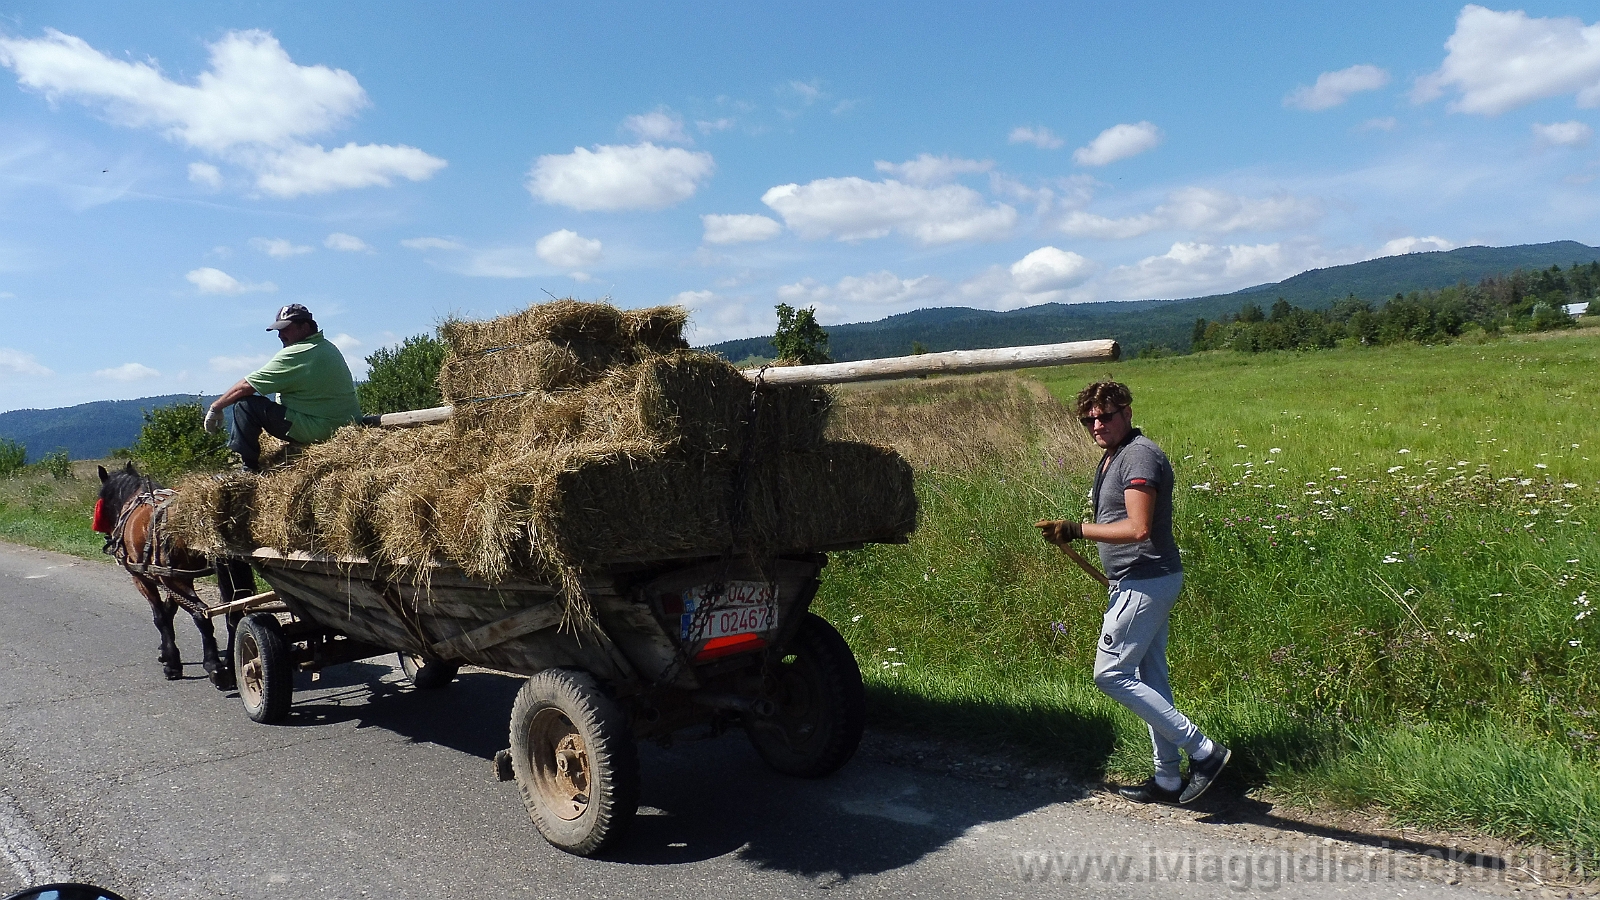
{"x":311,"y":380}
{"x":1133,"y":526}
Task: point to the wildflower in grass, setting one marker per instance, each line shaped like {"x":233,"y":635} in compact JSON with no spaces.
{"x":1203,"y":486}
{"x":1276,"y":450}
{"x":1391,"y":558}
{"x":1058,"y":627}
{"x":1240,"y":446}
{"x":1402,"y":450}
{"x":1394,"y":469}
{"x":1540,"y":466}
{"x":1569,"y":485}
{"x":856,"y":618}
{"x":1575,"y":643}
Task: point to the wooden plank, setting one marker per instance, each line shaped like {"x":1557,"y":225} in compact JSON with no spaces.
{"x":242,"y":604}
{"x":534,"y":618}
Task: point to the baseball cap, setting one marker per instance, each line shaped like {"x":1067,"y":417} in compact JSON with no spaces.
{"x":289,"y":315}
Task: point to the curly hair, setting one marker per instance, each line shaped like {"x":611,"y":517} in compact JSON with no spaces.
{"x":1105,"y":394}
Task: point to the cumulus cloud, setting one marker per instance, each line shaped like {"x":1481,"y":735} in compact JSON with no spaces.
{"x":1498,"y":61}
{"x":1191,"y":269}
{"x":279,"y":248}
{"x":929,"y":169}
{"x":1563,"y":134}
{"x":1205,"y":210}
{"x":15,"y":362}
{"x":431,"y":243}
{"x":739,"y":228}
{"x":610,"y":178}
{"x":253,"y":105}
{"x":1334,"y":88}
{"x":1385,"y":123}
{"x":663,"y":126}
{"x":205,"y":174}
{"x":238,"y":365}
{"x":1118,"y":142}
{"x":711,"y":126}
{"x":850,"y":209}
{"x":1401,"y":246}
{"x":346,"y":243}
{"x":128,"y":372}
{"x":875,"y":289}
{"x":1040,"y":137}
{"x":1050,"y":269}
{"x":567,"y":250}
{"x":215,"y":281}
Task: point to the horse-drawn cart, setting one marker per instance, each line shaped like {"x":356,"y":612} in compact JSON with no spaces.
{"x":679,"y":644}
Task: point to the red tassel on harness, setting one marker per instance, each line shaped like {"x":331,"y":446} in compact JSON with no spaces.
{"x":102,"y":519}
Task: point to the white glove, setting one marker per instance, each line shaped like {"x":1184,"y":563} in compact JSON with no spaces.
{"x":213,"y":423}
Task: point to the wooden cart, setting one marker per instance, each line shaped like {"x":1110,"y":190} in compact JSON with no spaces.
{"x":708,"y":643}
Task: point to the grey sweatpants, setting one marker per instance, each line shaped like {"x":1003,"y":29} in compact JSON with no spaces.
{"x":1131,"y":664}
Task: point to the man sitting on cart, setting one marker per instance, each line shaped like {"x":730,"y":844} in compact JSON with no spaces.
{"x":315,"y":391}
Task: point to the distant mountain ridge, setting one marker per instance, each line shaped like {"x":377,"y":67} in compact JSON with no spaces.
{"x":1169,"y":322}
{"x":86,"y":431}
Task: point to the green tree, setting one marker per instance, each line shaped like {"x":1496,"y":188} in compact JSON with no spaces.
{"x":58,"y":463}
{"x":799,"y":339}
{"x":174,"y":441}
{"x":403,"y":377}
{"x":12,"y":457}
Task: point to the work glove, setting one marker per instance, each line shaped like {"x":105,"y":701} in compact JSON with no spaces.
{"x":213,"y":422}
{"x":1059,"y":531}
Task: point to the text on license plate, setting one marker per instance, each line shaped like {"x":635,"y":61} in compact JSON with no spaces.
{"x":743,"y":607}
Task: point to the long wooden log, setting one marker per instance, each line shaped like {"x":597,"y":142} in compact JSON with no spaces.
{"x":951,"y":362}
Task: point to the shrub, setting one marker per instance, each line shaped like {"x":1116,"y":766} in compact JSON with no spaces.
{"x":57,"y":463}
{"x":12,"y":457}
{"x":174,"y":441}
{"x":404,"y":377}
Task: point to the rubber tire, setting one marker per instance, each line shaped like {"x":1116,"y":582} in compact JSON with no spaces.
{"x":277,"y":668}
{"x":613,"y":759}
{"x":821,"y":704}
{"x":427,"y":674}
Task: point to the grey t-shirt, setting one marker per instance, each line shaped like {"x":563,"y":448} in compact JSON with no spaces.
{"x":1137,"y":463}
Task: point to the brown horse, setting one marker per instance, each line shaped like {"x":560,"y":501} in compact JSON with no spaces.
{"x":130,"y":511}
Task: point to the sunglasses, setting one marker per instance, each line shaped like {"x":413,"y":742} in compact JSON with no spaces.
{"x":1103,"y":418}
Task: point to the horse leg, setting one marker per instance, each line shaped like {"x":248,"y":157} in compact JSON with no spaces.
{"x":182,"y":590}
{"x":163,"y":611}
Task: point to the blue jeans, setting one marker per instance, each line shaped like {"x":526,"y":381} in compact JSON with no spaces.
{"x":1130,"y":664}
{"x":251,"y":416}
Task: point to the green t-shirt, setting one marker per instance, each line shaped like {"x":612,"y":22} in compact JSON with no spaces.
{"x":313,"y":384}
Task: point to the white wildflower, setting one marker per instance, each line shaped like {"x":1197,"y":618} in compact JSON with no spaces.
{"x":1402,"y":450}
{"x":856,"y":618}
{"x":1540,"y":466}
{"x":1203,"y":486}
{"x":1391,"y":558}
{"x":1276,"y":450}
{"x":1394,"y":469}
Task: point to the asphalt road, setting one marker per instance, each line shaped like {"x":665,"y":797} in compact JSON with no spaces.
{"x":158,"y":789}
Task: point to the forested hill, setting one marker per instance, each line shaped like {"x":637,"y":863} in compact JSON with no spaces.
{"x":86,"y":431}
{"x":1170,"y":322}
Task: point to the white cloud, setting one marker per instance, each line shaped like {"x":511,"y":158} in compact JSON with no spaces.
{"x":279,"y":248}
{"x":238,"y":365}
{"x":1401,"y":246}
{"x":205,"y":174}
{"x":711,"y":126}
{"x":346,"y":243}
{"x":216,"y":281}
{"x":1205,"y":210}
{"x":1040,"y":137}
{"x":1564,"y":134}
{"x":1334,"y":88}
{"x":849,"y":209}
{"x":1498,"y":61}
{"x":739,"y":228}
{"x":874,"y":289}
{"x":567,"y":250}
{"x":312,"y":170}
{"x":1118,"y":142}
{"x":128,"y":372}
{"x":929,"y":169}
{"x":609,"y":178}
{"x":431,"y":243}
{"x":1386,"y":123}
{"x":253,"y":105}
{"x":808,"y":91}
{"x":662,"y":125}
{"x":1194,"y":269}
{"x":1050,"y":269}
{"x":15,"y":362}
{"x":345,"y":343}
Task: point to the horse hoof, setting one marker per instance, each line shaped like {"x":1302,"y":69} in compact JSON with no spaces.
{"x":222,"y":680}
{"x":175,"y":676}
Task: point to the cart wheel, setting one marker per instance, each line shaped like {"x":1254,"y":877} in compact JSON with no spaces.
{"x":427,"y":674}
{"x":819,"y":706}
{"x":575,"y":760}
{"x":262,"y":665}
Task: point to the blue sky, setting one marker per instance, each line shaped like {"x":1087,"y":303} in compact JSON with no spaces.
{"x":172,"y":173}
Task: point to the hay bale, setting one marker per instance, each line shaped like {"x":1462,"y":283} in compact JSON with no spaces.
{"x":659,"y":328}
{"x":213,"y":512}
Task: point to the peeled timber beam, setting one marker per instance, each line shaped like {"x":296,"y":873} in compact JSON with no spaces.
{"x":951,"y":362}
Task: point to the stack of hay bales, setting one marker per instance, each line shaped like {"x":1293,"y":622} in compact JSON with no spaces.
{"x":583,"y":436}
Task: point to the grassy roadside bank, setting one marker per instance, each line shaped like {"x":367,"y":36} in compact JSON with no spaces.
{"x":1389,"y":563}
{"x":38,"y":510}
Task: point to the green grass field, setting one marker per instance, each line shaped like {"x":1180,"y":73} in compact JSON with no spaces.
{"x":1389,"y":567}
{"x":41,"y":511}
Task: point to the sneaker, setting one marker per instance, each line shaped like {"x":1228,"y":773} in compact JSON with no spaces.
{"x":1202,"y":773}
{"x":1149,"y":792}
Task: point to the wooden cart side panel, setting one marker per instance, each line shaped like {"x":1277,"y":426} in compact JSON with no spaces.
{"x":329,"y":602}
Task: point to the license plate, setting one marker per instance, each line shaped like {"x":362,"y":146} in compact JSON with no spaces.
{"x":742,"y":607}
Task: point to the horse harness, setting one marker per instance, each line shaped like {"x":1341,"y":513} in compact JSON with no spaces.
{"x":157,"y":557}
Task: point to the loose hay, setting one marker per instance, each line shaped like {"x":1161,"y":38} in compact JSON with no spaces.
{"x":620,"y":445}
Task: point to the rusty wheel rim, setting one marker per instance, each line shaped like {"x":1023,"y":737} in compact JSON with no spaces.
{"x":560,"y":764}
{"x":251,"y":682}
